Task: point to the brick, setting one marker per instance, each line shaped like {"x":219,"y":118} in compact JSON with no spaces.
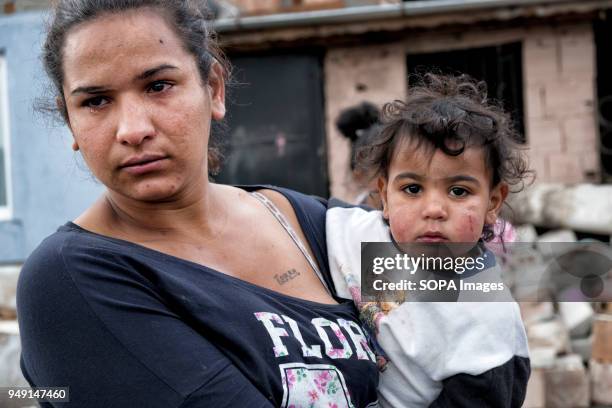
{"x":565,"y":168}
{"x":259,"y":6}
{"x":602,"y":338}
{"x":577,"y":50}
{"x":601,"y":382}
{"x":10,"y":373}
{"x":544,"y":135}
{"x":567,"y":383}
{"x":540,"y":58}
{"x":534,"y":312}
{"x":316,"y":2}
{"x":549,"y":334}
{"x":536,"y":390}
{"x":581,"y":134}
{"x":8,"y":290}
{"x":590,"y":163}
{"x":570,"y":96}
{"x":534,"y":101}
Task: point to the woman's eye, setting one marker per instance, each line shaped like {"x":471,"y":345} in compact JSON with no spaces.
{"x":96,"y":102}
{"x":413,"y":189}
{"x":159,"y":86}
{"x":458,"y":192}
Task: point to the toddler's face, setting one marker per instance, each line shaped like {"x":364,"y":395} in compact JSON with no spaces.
{"x":439,"y":198}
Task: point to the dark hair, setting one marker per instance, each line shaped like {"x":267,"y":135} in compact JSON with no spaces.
{"x":359,"y":124}
{"x":188,"y":18}
{"x":450,"y":113}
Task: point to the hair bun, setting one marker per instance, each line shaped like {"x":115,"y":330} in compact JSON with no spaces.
{"x":355,"y":120}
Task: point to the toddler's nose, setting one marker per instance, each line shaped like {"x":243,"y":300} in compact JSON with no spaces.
{"x":434,"y":209}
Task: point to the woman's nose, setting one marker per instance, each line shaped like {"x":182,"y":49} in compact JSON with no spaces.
{"x":135,"y":124}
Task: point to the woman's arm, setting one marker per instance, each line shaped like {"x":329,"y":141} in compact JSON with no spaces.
{"x":90,"y":323}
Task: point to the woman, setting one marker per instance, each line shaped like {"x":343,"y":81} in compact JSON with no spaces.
{"x":171,"y":290}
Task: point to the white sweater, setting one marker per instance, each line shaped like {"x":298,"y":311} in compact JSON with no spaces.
{"x":471,"y":353}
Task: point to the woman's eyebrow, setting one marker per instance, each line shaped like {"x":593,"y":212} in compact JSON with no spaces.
{"x":140,"y":77}
{"x":89,"y":90}
{"x":150,"y":72}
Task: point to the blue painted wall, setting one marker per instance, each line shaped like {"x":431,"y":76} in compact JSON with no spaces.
{"x":50,"y":183}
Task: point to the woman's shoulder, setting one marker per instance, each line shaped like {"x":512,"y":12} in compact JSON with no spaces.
{"x":288,"y":199}
{"x":303,"y":210}
{"x":51,"y":251}
{"x":69,"y":241}
{"x":73,"y":258}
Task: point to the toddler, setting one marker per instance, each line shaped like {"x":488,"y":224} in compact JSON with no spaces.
{"x":444,"y":161}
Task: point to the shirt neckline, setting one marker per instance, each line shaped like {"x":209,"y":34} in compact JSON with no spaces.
{"x":342,"y":303}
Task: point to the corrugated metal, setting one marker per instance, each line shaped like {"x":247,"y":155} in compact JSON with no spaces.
{"x":372,"y":13}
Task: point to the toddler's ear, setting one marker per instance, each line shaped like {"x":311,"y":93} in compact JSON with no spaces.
{"x":496,"y":199}
{"x":382,"y":192}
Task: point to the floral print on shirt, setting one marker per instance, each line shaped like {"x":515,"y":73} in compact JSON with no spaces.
{"x":313,"y":386}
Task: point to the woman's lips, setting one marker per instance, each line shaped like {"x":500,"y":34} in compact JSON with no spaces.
{"x":144,"y":164}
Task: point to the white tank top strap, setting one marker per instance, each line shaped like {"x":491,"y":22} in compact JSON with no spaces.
{"x":285,"y":224}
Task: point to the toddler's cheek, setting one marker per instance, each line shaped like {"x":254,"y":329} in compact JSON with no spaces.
{"x":469,"y":227}
{"x":402,"y":226}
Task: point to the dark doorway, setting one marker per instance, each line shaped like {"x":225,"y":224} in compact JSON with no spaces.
{"x":276,"y":123}
{"x":603,"y":33}
{"x":501,"y":67}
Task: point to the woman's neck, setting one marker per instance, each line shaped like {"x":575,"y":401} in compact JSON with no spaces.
{"x":198,"y":212}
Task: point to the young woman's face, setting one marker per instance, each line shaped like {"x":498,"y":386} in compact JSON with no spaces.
{"x":137,"y":107}
{"x":439,"y":198}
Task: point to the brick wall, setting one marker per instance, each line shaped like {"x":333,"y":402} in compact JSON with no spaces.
{"x":560,"y":97}
{"x":559,"y":94}
{"x":376,"y":74}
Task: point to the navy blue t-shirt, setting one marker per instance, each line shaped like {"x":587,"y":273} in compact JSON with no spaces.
{"x":127,"y":326}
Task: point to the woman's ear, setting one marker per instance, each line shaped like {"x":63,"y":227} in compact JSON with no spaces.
{"x":497,"y":196}
{"x":382,"y":192}
{"x":216,"y":84}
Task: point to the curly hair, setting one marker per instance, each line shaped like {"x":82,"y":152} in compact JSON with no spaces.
{"x":449,"y":113}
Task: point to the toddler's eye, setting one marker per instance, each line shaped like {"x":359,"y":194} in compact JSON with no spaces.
{"x":412,"y":189}
{"x":459,"y":192}
{"x":159,"y":86}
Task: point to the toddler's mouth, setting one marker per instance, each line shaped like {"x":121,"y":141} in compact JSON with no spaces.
{"x":432,"y":237}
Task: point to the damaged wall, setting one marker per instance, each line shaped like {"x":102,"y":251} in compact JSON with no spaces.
{"x":558,"y":91}
{"x":352,"y":75}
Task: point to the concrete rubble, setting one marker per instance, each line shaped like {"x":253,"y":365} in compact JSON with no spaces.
{"x":10,"y":373}
{"x":583,"y":207}
{"x":570,"y":342}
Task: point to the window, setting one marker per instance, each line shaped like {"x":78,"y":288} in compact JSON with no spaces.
{"x":499,"y":66}
{"x":277,"y":138}
{"x":5,"y":185}
{"x":603,"y":29}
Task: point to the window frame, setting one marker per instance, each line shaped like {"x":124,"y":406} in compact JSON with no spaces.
{"x":6,"y":211}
